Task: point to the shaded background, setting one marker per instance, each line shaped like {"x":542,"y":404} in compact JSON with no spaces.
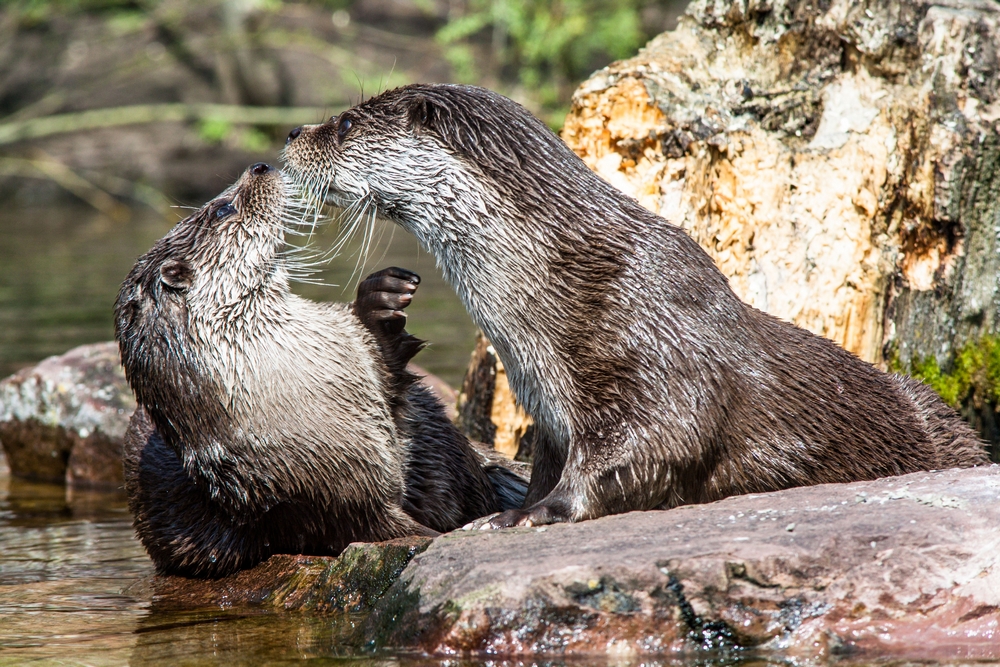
{"x":177,"y":97}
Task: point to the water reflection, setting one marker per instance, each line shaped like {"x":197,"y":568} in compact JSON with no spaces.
{"x":60,"y":269}
{"x":65,"y":558}
{"x":71,"y":593}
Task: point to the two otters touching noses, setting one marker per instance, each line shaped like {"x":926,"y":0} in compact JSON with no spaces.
{"x":273,"y":424}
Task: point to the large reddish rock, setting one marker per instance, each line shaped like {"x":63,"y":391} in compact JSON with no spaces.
{"x":65,"y":418}
{"x":905,"y":567}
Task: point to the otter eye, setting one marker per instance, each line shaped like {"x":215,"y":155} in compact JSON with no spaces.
{"x":224,"y":211}
{"x":176,"y":274}
{"x":343,"y":127}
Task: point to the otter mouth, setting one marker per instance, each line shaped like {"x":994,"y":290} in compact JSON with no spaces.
{"x":355,"y":216}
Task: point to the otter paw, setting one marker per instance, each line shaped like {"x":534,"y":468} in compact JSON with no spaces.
{"x":482,"y":523}
{"x":382,"y":296}
{"x":539,"y":515}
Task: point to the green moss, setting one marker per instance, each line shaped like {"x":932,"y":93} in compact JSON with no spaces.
{"x":974,"y":373}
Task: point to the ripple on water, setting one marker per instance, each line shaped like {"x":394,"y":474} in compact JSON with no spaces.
{"x":65,"y":559}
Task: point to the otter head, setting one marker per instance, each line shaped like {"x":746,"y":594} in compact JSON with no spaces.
{"x":438,"y":159}
{"x":534,"y":243}
{"x":189,"y":294}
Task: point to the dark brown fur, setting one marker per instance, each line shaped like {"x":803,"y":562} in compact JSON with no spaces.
{"x":252,"y":436}
{"x":651,"y":383}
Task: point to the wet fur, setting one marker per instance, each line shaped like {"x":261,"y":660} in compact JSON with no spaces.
{"x":651,"y":383}
{"x":266,"y":421}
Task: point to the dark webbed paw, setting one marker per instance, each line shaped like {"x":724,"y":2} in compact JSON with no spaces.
{"x":382,"y":296}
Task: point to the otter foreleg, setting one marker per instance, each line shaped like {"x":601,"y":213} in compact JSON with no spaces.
{"x":382,"y":296}
{"x":606,"y":472}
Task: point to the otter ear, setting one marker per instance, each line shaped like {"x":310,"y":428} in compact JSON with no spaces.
{"x":420,"y":113}
{"x":176,"y":274}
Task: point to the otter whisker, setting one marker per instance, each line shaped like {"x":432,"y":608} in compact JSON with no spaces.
{"x":304,"y":261}
{"x":369,"y":212}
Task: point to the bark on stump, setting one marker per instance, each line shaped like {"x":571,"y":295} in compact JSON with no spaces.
{"x":840,"y":162}
{"x":487,"y":410}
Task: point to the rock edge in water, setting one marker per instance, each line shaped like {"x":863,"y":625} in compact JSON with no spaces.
{"x":351,"y":583}
{"x":906,"y":567}
{"x":64,"y":418}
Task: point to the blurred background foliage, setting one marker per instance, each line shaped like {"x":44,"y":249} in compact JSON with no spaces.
{"x":542,"y":49}
{"x":117,"y":116}
{"x":534,"y":51}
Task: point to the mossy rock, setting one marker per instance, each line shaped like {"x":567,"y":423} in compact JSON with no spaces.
{"x":969,"y":382}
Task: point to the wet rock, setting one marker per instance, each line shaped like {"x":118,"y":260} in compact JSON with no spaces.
{"x":64,"y":419}
{"x":906,"y":566}
{"x":350,"y":583}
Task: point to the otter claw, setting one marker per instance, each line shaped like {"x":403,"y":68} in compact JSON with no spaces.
{"x":383,"y":295}
{"x":539,"y":515}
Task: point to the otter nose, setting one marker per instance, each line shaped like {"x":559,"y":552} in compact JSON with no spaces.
{"x":261,"y":168}
{"x":292,"y":135}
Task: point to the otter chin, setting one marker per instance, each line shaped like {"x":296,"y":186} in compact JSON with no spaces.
{"x":651,"y":383}
{"x":269,"y":423}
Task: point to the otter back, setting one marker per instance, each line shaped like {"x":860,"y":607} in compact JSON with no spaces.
{"x":651,"y":383}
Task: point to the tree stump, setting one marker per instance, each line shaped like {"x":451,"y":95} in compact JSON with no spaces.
{"x":839,"y":160}
{"x":487,"y":409}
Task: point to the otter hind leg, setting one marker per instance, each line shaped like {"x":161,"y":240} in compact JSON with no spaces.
{"x":510,"y":487}
{"x":954,"y":442}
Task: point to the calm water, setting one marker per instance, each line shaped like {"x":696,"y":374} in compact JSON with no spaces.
{"x":60,"y":269}
{"x":66,"y":560}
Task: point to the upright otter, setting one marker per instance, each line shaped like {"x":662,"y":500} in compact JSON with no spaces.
{"x":651,"y":383}
{"x":267,"y":421}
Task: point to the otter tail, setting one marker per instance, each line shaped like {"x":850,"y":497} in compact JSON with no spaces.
{"x":510,"y":487}
{"x":954,"y":441}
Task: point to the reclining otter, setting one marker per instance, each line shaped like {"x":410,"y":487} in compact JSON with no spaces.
{"x":272,"y":424}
